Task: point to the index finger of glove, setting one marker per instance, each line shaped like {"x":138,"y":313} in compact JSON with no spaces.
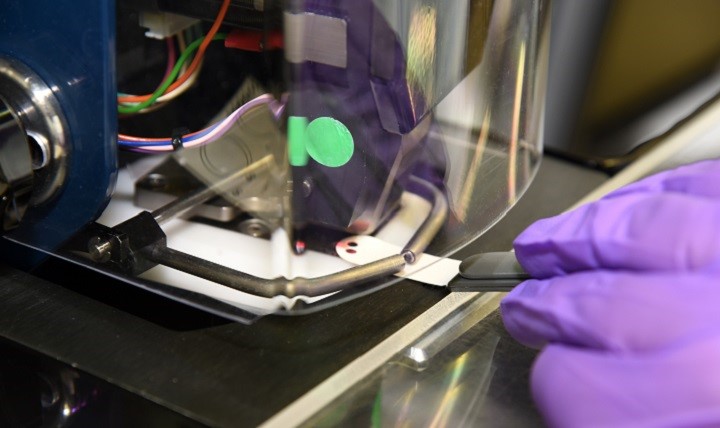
{"x":639,"y":232}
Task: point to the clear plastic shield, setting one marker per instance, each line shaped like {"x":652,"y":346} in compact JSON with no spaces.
{"x":387,"y":136}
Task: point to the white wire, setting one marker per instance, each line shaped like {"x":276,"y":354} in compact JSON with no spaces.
{"x":223,"y":126}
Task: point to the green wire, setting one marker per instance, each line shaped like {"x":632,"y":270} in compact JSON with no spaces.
{"x":134,"y":108}
{"x":376,"y":415}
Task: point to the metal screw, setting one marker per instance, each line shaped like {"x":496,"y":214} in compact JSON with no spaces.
{"x":100,"y":250}
{"x":256,"y":228}
{"x":307,"y":186}
{"x":156,"y":181}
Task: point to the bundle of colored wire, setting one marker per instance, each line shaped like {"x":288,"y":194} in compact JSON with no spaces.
{"x":136,"y":107}
{"x":171,"y":58}
{"x":172,"y":54}
{"x":205,"y":136}
{"x":141,"y":99}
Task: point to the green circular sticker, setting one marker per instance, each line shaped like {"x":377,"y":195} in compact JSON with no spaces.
{"x":329,"y":142}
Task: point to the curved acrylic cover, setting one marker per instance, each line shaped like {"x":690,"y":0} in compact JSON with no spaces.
{"x":391,"y":113}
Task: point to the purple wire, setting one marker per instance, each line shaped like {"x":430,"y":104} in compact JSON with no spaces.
{"x":211,"y":133}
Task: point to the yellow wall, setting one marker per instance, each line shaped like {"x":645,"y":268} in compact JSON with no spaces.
{"x":649,"y":49}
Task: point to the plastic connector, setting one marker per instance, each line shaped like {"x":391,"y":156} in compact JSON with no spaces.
{"x":161,"y":25}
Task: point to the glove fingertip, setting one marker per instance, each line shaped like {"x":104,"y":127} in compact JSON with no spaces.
{"x":557,"y":245}
{"x":533,"y":249}
{"x":520,"y":321}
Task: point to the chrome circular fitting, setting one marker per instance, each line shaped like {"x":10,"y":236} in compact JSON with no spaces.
{"x":34,"y":142}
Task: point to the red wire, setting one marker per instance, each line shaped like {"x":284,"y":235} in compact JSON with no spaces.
{"x":172,"y":57}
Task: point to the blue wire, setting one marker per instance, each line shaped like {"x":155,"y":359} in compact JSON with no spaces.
{"x":201,"y":134}
{"x":165,"y":142}
{"x":128,"y":143}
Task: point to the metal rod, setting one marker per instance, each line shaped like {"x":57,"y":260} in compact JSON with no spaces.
{"x":300,"y":286}
{"x":432,"y":224}
{"x":244,"y":282}
{"x":182,"y":204}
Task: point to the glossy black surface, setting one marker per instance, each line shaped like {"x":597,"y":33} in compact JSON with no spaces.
{"x":480,"y":379}
{"x":37,"y":391}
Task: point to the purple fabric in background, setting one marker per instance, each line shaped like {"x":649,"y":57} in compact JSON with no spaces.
{"x":370,"y":97}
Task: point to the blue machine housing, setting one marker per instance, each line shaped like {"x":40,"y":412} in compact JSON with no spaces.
{"x":71,"y":46}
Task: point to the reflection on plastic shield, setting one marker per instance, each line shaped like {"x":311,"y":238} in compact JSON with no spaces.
{"x":404,"y":128}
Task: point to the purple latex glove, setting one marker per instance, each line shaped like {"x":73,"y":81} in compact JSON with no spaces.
{"x":626,"y":305}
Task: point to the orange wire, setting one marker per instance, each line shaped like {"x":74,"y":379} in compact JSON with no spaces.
{"x":195,"y":62}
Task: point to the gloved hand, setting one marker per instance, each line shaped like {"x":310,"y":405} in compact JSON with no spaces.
{"x":625,"y":302}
